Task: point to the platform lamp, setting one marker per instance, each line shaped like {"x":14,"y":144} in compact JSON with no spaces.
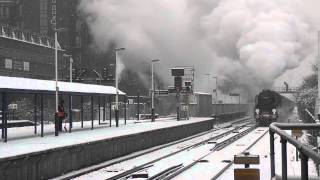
{"x":152,"y":93}
{"x":117,"y":90}
{"x":317,"y":109}
{"x":56,"y":132}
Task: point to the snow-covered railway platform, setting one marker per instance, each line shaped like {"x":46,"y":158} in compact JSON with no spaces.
{"x":50,"y":156}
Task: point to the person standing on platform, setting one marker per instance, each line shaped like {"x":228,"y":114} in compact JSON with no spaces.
{"x":61,"y":114}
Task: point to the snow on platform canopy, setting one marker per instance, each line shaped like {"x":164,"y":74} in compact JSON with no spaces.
{"x":29,"y":85}
{"x":202,"y":93}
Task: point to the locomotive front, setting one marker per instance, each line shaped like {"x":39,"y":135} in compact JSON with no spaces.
{"x":266,"y":106}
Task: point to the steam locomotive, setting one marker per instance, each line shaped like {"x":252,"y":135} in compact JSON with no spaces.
{"x":267,"y":105}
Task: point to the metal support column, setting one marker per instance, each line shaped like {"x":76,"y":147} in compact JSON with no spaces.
{"x":117,"y":117}
{"x":70,"y":113}
{"x":104,"y":108}
{"x":35,"y":114}
{"x":99,"y":105}
{"x":110,"y":110}
{"x":4,"y":116}
{"x":125,"y":109}
{"x":41,"y":109}
{"x":138,"y":96}
{"x":304,"y":166}
{"x":81,"y":99}
{"x":284,"y":158}
{"x":91,"y":112}
{"x":272,"y":161}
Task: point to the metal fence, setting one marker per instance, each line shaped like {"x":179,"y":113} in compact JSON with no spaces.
{"x":305,"y":152}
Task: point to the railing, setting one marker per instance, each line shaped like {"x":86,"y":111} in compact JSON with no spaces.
{"x":286,"y":90}
{"x":305,"y":152}
{"x":14,"y":33}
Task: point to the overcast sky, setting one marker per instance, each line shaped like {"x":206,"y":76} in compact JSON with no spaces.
{"x":249,"y":44}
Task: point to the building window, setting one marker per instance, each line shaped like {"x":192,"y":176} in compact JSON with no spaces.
{"x":8,"y":63}
{"x":26,"y":66}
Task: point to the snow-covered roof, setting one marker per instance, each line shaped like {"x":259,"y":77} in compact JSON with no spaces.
{"x":29,"y":85}
{"x":202,"y":93}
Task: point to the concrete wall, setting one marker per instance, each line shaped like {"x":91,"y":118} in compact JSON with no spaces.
{"x":55,"y":162}
{"x":231,"y":108}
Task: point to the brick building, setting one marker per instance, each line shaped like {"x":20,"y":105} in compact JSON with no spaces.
{"x":37,"y":16}
{"x":30,"y":55}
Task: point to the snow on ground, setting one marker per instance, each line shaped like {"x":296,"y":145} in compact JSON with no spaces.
{"x":215,"y":162}
{"x":117,"y":168}
{"x":48,"y":129}
{"x":34,"y":144}
{"x":262,"y":148}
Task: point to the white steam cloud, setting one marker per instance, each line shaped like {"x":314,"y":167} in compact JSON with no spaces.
{"x":247,"y":43}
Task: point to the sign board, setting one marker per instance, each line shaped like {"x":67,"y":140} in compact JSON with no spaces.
{"x":296,"y":132}
{"x":184,"y":107}
{"x":234,"y":94}
{"x":161,"y":92}
{"x":246,"y":174}
{"x":246,"y":159}
{"x":130,"y":101}
{"x":13,"y":106}
{"x":177,"y":71}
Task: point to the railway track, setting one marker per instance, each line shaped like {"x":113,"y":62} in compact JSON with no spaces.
{"x":175,"y":169}
{"x":228,"y":165}
{"x":138,"y":170}
{"x":217,"y":147}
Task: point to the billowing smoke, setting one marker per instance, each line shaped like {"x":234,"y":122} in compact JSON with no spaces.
{"x":248,"y":44}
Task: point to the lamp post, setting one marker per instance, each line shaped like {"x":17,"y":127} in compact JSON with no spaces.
{"x":152,"y":93}
{"x":56,"y":76}
{"x":216,"y":91}
{"x":318,"y":65}
{"x":117,"y":91}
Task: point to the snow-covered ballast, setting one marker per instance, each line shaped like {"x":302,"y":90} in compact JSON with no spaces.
{"x":48,"y":87}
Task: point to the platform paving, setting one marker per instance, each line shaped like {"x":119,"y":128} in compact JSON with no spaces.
{"x":23,"y":141}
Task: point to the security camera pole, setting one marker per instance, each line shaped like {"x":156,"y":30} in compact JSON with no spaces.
{"x":152,"y":93}
{"x":117,"y":90}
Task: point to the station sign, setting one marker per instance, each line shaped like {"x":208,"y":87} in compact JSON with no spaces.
{"x":184,"y":107}
{"x":177,"y":71}
{"x":246,"y":174}
{"x":246,"y":159}
{"x":130,"y":101}
{"x":160,"y":92}
{"x":13,"y":106}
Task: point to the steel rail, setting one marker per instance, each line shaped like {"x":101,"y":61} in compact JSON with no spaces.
{"x":176,"y":152}
{"x":165,"y":172}
{"x":219,"y":146}
{"x":230,"y":163}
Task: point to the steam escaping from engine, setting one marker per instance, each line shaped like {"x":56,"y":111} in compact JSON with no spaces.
{"x":248,"y":44}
